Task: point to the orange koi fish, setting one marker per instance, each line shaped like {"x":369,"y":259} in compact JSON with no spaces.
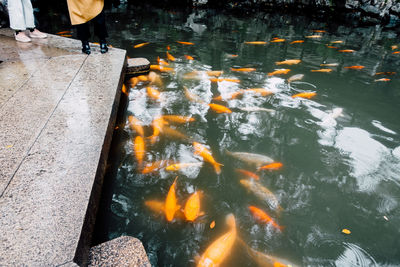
{"x":355,"y":67}
{"x":394,"y":47}
{"x":124,"y":90}
{"x":329,"y":65}
{"x":155,"y":166}
{"x":168,"y":47}
{"x":280,"y":71}
{"x":278,"y":40}
{"x":153,"y":93}
{"x":158,"y":124}
{"x":214,"y":80}
{"x":256,"y":43}
{"x":231,"y":96}
{"x":155,"y":205}
{"x":178,"y":118}
{"x":382,"y":80}
{"x":271,"y":166}
{"x":143,"y":78}
{"x":136,"y":125}
{"x":243,"y":69}
{"x":95,"y":43}
{"x":133,"y":81}
{"x":347,"y":51}
{"x":262,"y":193}
{"x":337,"y":42}
{"x":319,"y":31}
{"x":161,"y":61}
{"x":161,"y":68}
{"x":261,"y":91}
{"x":219,"y":108}
{"x":174,"y":134}
{"x":322,"y":70}
{"x":185,"y":43}
{"x":288,"y":62}
{"x":333,"y":47}
{"x":305,"y":95}
{"x":212,"y":225}
{"x":397,"y":52}
{"x":63,"y":32}
{"x":248,"y":174}
{"x":215,"y":73}
{"x":66,"y":35}
{"x":140,"y":45}
{"x":192,"y":97}
{"x":201,"y":150}
{"x":216,"y":253}
{"x":297,"y":42}
{"x":188,"y":57}
{"x":192,"y":207}
{"x":178,"y":166}
{"x":263,"y":217}
{"x":232,"y":56}
{"x":386,"y":73}
{"x":313,"y":36}
{"x":171,"y":205}
{"x":139,"y":149}
{"x":170,"y":57}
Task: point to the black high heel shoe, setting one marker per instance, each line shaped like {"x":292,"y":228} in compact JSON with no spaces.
{"x":85,"y":47}
{"x":103,"y":46}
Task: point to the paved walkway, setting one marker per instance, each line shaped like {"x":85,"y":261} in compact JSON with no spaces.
{"x":57,"y":112}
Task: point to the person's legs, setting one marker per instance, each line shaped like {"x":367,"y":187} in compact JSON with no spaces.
{"x":28,"y":14}
{"x":100,"y":30}
{"x":17,"y":20}
{"x":83,"y":32}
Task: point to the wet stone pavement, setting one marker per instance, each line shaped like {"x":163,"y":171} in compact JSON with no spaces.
{"x":57,"y":113}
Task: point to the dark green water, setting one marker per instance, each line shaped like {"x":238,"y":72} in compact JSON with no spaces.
{"x":338,"y":172}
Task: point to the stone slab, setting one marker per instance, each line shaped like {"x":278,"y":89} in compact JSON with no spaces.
{"x":52,"y":160}
{"x":124,"y":251}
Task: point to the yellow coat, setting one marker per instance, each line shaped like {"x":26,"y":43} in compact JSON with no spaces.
{"x":81,"y":11}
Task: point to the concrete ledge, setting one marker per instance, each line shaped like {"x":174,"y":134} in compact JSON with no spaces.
{"x":57,"y":114}
{"x":119,"y":252}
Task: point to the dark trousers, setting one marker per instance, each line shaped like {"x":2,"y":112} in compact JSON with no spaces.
{"x":100,"y":29}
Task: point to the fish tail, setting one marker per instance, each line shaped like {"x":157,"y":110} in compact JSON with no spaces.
{"x":217,"y":167}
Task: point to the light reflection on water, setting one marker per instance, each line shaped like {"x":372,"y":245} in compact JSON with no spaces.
{"x":340,"y":161}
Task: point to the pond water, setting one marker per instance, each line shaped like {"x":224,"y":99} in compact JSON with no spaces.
{"x":339,"y":149}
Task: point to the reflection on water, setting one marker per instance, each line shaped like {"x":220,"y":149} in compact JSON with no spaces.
{"x":339,"y":149}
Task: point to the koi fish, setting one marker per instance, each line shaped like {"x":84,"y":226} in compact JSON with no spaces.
{"x":143,"y":78}
{"x":188,"y":57}
{"x":178,"y":166}
{"x":158,"y":124}
{"x":170,"y":57}
{"x":177,"y":118}
{"x":161,"y":68}
{"x":155,"y":205}
{"x":161,"y":61}
{"x":337,"y":42}
{"x":153,"y":93}
{"x":232,"y":56}
{"x":382,"y":80}
{"x":297,"y":42}
{"x":243,"y":69}
{"x":256,"y":43}
{"x":256,"y":109}
{"x":252,"y":159}
{"x":139,"y":149}
{"x":262,"y":193}
{"x":133,"y":81}
{"x":332,"y":47}
{"x":248,"y":174}
{"x":329,"y":65}
{"x":215,"y":73}
{"x":313,"y":36}
{"x":264,"y":260}
{"x":263,"y":217}
{"x":192,"y":207}
{"x":201,"y":150}
{"x":288,"y":62}
{"x":279,"y":71}
{"x":322,"y":70}
{"x":140,"y":45}
{"x":63,"y":32}
{"x":219,"y":108}
{"x":135,"y":125}
{"x":185,"y":43}
{"x":154,"y":78}
{"x":319,"y":31}
{"x":171,"y":205}
{"x":261,"y":91}
{"x":192,"y":97}
{"x":271,"y":166}
{"x":231,"y":96}
{"x":305,"y":95}
{"x":66,"y":35}
{"x":124,"y":90}
{"x":168,"y":47}
{"x":394,"y":47}
{"x":216,"y":253}
{"x":347,"y":51}
{"x":155,"y":166}
{"x":214,"y":80}
{"x":386,"y":73}
{"x":355,"y":67}
{"x":175,"y":134}
{"x":278,"y":40}
{"x":212,"y":225}
{"x":296,"y":77}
